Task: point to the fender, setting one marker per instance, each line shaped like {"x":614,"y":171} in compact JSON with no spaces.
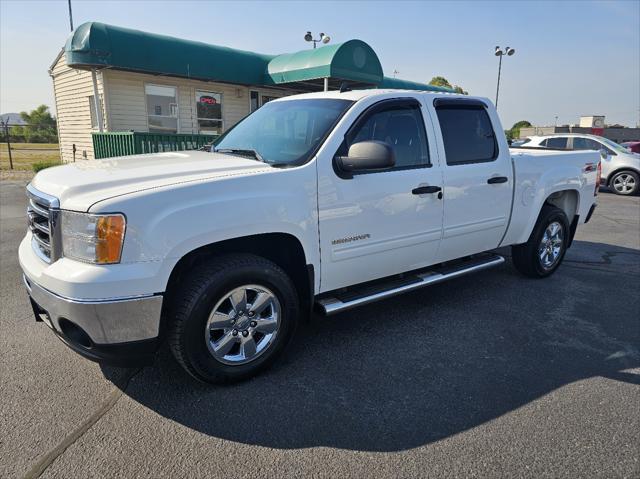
{"x":165,"y":227}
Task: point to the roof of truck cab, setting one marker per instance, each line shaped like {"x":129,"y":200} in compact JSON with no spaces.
{"x":355,"y":95}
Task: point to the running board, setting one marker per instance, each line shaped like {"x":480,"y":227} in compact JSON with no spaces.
{"x":342,"y":301}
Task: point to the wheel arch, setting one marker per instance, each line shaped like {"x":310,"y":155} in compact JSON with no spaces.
{"x":620,"y":170}
{"x":284,"y":249}
{"x":567,"y":200}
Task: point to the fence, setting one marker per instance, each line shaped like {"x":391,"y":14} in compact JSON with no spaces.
{"x":110,"y":144}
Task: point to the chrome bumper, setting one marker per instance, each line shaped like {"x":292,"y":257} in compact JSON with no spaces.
{"x":112,"y":321}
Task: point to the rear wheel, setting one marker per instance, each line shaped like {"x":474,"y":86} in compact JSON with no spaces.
{"x":232,"y":317}
{"x":625,"y":183}
{"x":542,"y":254}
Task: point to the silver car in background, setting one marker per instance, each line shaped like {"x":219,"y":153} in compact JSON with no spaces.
{"x":620,"y":166}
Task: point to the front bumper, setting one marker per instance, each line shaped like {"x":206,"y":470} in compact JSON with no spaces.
{"x":122,"y":331}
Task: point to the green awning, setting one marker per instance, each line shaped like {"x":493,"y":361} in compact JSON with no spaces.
{"x":353,"y":61}
{"x":97,"y":45}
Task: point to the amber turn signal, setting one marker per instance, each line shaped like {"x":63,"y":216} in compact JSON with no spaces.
{"x":109,"y":238}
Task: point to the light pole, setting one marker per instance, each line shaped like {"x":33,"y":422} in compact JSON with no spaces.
{"x":500,"y":53}
{"x":70,"y":16}
{"x":323,"y":39}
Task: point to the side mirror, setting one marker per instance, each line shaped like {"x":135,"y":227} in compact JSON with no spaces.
{"x":604,"y":154}
{"x":367,"y":156}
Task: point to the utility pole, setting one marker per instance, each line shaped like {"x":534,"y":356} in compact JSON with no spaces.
{"x":70,"y":16}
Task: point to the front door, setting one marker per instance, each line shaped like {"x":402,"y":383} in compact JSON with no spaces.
{"x":374,"y":224}
{"x":478,"y":178}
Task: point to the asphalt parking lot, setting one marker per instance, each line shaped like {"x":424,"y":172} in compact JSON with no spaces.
{"x":488,"y":375}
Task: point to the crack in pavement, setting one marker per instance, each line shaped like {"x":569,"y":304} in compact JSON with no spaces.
{"x":606,"y":258}
{"x":41,"y":466}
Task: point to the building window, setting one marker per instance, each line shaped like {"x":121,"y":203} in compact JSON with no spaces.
{"x":92,"y":111}
{"x":161,"y":100}
{"x":255,"y":101}
{"x":267,"y":99}
{"x":209,"y":111}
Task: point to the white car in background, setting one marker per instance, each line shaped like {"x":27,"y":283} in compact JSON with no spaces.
{"x":620,"y":166}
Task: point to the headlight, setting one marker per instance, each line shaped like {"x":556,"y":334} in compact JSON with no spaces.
{"x":92,"y":238}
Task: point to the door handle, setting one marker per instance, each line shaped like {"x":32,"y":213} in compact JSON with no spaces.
{"x":423,"y":190}
{"x":497,"y":179}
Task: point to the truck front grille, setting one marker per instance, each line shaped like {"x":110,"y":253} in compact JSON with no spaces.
{"x":42,"y":216}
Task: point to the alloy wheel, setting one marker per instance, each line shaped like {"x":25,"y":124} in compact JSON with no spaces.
{"x":243,"y":324}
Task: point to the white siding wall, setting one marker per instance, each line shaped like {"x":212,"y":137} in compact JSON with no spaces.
{"x":126,"y":104}
{"x":72,"y":89}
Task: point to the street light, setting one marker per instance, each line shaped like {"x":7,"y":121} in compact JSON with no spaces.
{"x":500,"y":53}
{"x":323,"y":38}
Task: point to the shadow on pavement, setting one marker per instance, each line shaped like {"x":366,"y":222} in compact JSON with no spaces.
{"x":418,"y":368}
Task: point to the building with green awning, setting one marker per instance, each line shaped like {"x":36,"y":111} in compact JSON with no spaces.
{"x":159,"y":93}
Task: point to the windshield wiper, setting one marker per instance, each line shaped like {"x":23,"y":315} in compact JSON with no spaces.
{"x":244,"y":152}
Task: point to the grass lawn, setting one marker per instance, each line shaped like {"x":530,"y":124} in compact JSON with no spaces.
{"x":26,"y":154}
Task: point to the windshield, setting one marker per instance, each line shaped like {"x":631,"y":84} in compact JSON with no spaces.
{"x":614,"y":146}
{"x":284,"y":132}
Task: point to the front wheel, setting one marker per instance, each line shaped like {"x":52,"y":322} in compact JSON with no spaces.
{"x":541,"y":255}
{"x":625,"y":183}
{"x":232,"y":317}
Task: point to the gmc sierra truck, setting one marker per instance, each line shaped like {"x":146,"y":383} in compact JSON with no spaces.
{"x":322,"y":201}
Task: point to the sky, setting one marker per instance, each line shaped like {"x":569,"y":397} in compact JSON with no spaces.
{"x":572,"y":58}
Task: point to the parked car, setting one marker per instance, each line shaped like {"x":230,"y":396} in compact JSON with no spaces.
{"x":620,"y":167}
{"x":327,"y":200}
{"x":634,"y":146}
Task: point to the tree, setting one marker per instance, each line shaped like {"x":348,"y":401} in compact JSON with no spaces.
{"x":41,"y":126}
{"x":443,"y":82}
{"x":514,"y":132}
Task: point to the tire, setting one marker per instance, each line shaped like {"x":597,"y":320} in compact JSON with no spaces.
{"x":195,"y":331}
{"x":538,"y":257}
{"x":625,"y":183}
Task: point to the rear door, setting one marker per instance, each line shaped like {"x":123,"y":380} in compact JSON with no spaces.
{"x":478,"y":177}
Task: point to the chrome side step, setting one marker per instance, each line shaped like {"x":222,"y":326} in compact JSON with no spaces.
{"x":338,"y":302}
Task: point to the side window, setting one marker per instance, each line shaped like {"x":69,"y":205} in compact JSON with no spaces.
{"x":585,"y":144}
{"x":467,"y":134}
{"x":400,"y":126}
{"x":559,"y":142}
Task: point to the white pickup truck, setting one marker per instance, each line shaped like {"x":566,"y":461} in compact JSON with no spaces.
{"x":325,"y":200}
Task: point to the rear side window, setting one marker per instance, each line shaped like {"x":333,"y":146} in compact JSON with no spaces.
{"x":585,"y":144}
{"x":559,"y":142}
{"x":467,"y":134}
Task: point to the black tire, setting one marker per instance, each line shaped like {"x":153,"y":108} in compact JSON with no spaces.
{"x":526,"y":257}
{"x":621,"y":189}
{"x":205,"y":286}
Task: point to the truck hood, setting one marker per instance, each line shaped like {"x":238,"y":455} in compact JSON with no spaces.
{"x":79,"y":185}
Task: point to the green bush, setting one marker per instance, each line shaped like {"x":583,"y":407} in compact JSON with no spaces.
{"x":41,"y":165}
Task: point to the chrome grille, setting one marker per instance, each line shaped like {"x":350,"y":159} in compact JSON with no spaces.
{"x":42,"y":216}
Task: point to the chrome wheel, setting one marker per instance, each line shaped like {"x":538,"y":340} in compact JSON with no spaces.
{"x":624,"y":183}
{"x":243,"y":324}
{"x":551,"y":245}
